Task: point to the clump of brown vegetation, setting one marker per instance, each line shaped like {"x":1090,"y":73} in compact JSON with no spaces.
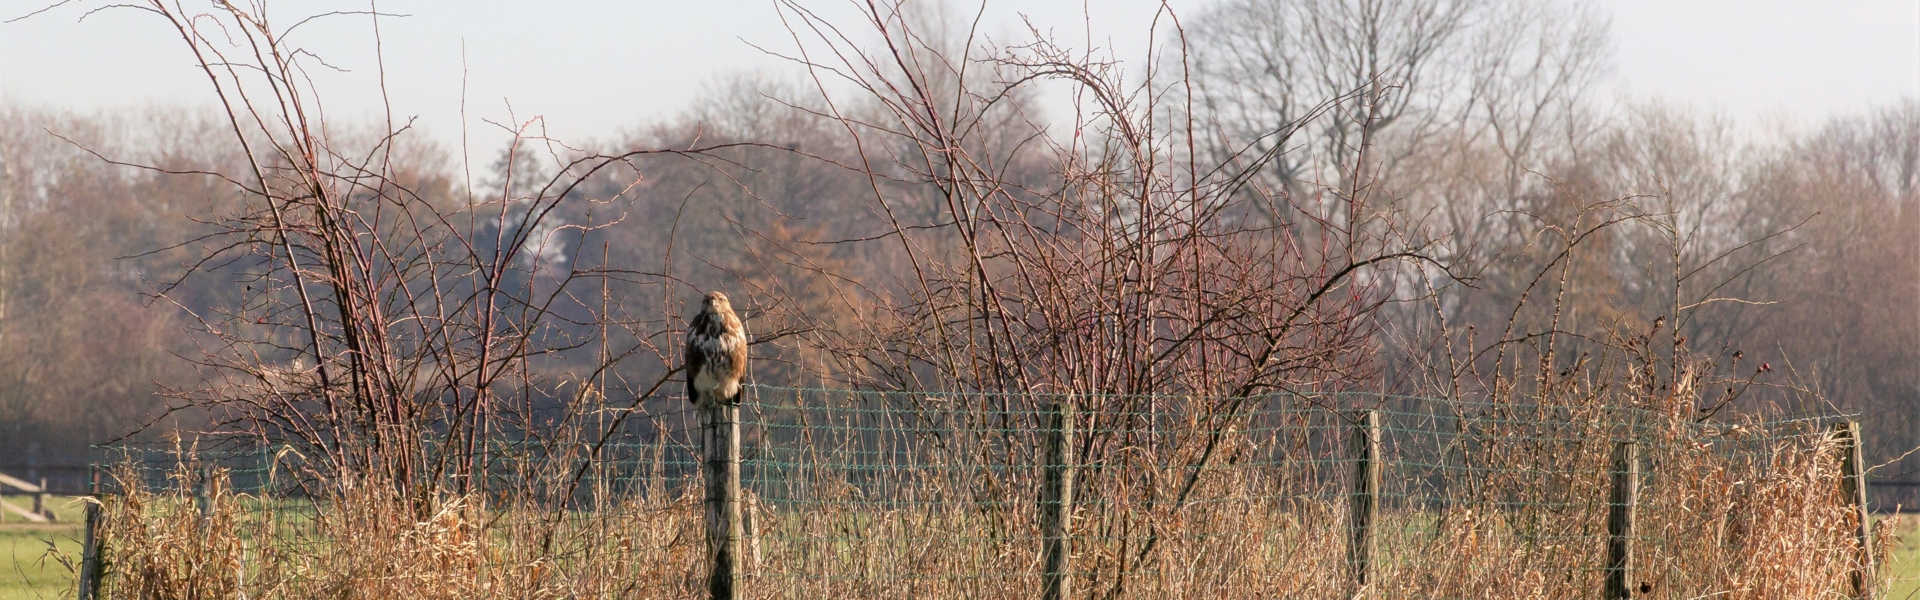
{"x":860,"y":496}
{"x":194,"y":536}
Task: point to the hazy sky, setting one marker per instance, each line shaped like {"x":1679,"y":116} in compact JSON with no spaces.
{"x":592,"y":68}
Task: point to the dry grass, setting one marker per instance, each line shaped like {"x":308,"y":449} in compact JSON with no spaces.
{"x":1747,"y":514}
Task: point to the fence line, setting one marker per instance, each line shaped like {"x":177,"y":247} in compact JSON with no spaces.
{"x":892,"y":494}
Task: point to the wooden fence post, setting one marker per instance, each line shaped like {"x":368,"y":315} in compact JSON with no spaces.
{"x":1620,"y":503}
{"x":90,"y":542}
{"x":1853,"y":489}
{"x":1056,"y":501}
{"x":720,"y":442}
{"x":40,"y":501}
{"x":1363,"y":446}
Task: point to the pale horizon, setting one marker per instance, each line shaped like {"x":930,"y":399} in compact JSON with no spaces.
{"x":593,"y":70}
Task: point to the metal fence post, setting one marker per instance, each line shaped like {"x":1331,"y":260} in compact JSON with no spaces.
{"x":1620,"y":504}
{"x":1853,"y":487}
{"x":1056,"y":502}
{"x":720,"y":442}
{"x":1363,"y":446}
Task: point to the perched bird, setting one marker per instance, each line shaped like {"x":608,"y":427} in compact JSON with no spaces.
{"x":716,"y":352}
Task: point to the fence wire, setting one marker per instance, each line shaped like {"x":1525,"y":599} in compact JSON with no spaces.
{"x":891,"y":494}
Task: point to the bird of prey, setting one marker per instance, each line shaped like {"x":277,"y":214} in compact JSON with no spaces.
{"x":716,"y":355}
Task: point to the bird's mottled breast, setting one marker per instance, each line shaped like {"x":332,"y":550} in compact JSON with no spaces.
{"x":718,"y":333}
{"x":721,"y":343}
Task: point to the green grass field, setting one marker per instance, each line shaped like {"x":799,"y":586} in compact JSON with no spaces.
{"x":26,"y":571}
{"x":1904,"y":565}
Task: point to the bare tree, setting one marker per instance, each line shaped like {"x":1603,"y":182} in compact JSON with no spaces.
{"x":391,"y":326}
{"x":1122,"y":272}
{"x":1415,"y":77}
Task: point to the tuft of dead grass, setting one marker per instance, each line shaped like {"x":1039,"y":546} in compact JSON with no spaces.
{"x":1483,"y":501}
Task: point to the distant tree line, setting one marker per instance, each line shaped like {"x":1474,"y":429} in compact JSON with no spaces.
{"x":1752,"y":270}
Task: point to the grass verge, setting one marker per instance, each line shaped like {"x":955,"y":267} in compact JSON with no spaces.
{"x":27,"y":570}
{"x":1903,"y":581}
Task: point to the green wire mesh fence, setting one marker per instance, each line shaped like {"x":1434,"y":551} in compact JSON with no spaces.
{"x":894,"y":494}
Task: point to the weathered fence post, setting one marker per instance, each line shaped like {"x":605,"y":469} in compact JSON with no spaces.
{"x":1853,"y":487}
{"x":1620,"y":503}
{"x":40,"y":501}
{"x":720,"y":442}
{"x":90,"y":542}
{"x":1363,"y":446}
{"x":1056,"y":500}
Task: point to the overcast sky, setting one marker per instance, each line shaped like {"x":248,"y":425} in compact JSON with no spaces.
{"x":592,"y":68}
